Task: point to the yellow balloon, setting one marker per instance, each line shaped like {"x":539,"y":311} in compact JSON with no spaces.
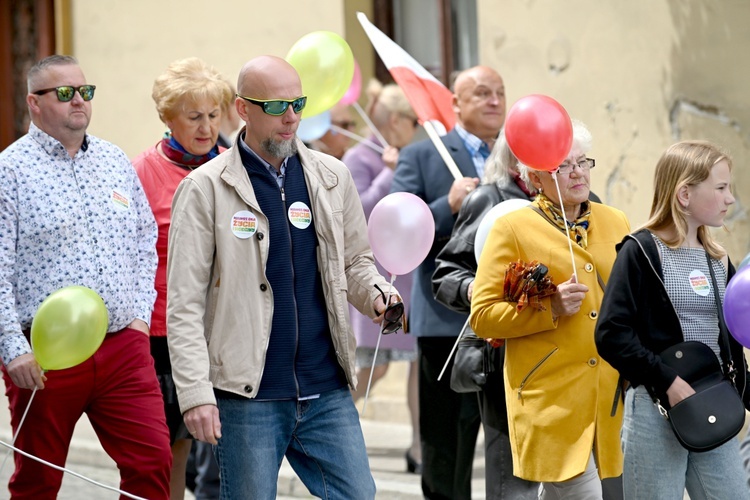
{"x":68,"y":328}
{"x":325,"y":64}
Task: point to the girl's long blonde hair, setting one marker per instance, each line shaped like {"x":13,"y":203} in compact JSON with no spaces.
{"x":686,"y":163}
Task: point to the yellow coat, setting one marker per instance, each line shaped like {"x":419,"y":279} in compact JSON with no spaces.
{"x":559,"y":391}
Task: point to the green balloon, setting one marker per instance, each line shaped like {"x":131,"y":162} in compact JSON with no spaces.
{"x":68,"y":328}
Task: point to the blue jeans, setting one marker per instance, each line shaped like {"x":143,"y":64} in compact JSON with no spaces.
{"x":658,"y":467}
{"x":321,"y":438}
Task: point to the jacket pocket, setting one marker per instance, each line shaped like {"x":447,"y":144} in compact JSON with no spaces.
{"x":533,"y":370}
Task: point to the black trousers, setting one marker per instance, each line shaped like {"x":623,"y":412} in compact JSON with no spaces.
{"x":449,"y":424}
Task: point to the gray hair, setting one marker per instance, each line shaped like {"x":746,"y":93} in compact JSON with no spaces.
{"x":501,"y":163}
{"x":581,"y":138}
{"x":43,"y":65}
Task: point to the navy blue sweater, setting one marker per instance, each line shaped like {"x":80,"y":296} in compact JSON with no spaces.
{"x":300,"y":359}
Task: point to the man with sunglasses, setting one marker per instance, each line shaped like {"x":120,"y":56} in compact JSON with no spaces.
{"x":73,"y":212}
{"x":268,"y":242}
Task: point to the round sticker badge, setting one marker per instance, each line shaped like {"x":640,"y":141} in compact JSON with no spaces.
{"x":244,"y":224}
{"x":699,"y":283}
{"x":300,"y":215}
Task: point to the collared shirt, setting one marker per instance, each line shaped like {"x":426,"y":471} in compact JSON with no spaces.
{"x":278,"y":175}
{"x":477,"y":148}
{"x":71,"y":221}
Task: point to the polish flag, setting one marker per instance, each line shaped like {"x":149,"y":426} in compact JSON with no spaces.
{"x":430,"y":99}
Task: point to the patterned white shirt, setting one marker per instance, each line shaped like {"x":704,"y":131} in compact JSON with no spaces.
{"x":71,"y":221}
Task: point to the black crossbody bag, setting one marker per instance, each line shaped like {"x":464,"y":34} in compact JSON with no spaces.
{"x":715,"y":413}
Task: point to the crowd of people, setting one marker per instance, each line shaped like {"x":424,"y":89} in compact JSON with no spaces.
{"x":245,"y":303}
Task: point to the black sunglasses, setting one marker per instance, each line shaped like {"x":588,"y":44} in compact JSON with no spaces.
{"x":277,"y":107}
{"x":392,"y":315}
{"x":67,"y":92}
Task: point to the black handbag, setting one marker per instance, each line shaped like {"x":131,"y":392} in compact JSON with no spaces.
{"x":715,"y":413}
{"x":472,"y":363}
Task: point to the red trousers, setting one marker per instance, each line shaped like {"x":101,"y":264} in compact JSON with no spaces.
{"x":117,"y":389}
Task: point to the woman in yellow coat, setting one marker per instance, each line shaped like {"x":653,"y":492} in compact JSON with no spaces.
{"x":559,"y":392}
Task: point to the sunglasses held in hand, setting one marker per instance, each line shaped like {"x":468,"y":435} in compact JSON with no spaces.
{"x":392,"y":315}
{"x":277,"y":107}
{"x":67,"y":92}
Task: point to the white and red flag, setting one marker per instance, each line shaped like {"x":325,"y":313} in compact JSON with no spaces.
{"x":429,"y":98}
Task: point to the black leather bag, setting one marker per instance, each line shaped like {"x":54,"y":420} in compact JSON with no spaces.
{"x":472,"y":363}
{"x":715,"y":413}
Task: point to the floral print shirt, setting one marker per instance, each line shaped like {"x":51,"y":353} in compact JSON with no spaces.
{"x":71,"y":221}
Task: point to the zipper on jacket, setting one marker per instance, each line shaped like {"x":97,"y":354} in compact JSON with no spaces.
{"x":533,"y":370}
{"x":294,"y":299}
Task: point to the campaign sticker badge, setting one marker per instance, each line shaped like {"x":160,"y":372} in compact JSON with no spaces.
{"x":244,"y":224}
{"x":699,"y":283}
{"x":300,"y":215}
{"x":120,"y":199}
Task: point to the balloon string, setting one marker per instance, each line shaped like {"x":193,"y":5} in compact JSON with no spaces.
{"x":63,"y":469}
{"x":358,"y":138}
{"x":567,"y":229}
{"x":18,"y":431}
{"x":369,"y":123}
{"x":377,"y":345}
{"x":455,"y":345}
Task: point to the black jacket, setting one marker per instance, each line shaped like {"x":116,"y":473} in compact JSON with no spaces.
{"x":456,"y":265}
{"x":637,"y":319}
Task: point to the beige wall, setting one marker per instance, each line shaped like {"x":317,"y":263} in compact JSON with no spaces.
{"x":641,"y":74}
{"x":123,"y":46}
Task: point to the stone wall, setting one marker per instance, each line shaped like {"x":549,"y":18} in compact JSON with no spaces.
{"x":641,"y":74}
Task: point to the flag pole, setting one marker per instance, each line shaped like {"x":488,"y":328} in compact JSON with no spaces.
{"x":444,"y":154}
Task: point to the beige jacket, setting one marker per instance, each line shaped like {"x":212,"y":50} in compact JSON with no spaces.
{"x":219,"y":304}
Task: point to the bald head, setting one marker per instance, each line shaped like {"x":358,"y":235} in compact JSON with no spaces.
{"x":264,"y":76}
{"x":479,"y":102}
{"x":270,"y":135}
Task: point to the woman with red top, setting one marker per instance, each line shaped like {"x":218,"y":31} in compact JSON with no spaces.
{"x":189,"y":97}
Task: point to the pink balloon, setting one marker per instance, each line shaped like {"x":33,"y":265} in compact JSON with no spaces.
{"x":737,"y":306}
{"x":539,"y":132}
{"x":355,"y":88}
{"x":401,"y":231}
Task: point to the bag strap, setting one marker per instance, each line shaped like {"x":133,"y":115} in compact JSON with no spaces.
{"x":726,"y":353}
{"x":619,"y":393}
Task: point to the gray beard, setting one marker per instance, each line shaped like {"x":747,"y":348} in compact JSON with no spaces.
{"x":279,"y":149}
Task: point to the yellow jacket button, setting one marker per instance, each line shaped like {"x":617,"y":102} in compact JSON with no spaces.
{"x":593,"y":314}
{"x":588,"y":267}
{"x":593,"y":362}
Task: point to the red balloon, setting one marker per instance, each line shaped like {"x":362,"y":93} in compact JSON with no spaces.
{"x":539,"y":132}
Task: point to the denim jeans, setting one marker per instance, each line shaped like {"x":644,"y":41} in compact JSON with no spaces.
{"x":658,"y":467}
{"x":321,"y":438}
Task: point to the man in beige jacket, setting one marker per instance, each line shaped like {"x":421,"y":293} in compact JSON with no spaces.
{"x":268,"y":242}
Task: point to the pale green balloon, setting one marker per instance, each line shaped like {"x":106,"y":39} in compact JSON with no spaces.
{"x":68,"y":328}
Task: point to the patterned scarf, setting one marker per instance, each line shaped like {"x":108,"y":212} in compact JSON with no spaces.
{"x":579,"y":227}
{"x":178,"y":155}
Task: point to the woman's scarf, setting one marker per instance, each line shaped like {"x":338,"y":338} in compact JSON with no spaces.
{"x":178,"y":155}
{"x":578,"y":228}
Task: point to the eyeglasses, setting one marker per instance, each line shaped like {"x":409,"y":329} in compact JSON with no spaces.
{"x":67,"y":92}
{"x":584,"y":165}
{"x":277,"y":107}
{"x":392,"y":315}
{"x":345,"y":124}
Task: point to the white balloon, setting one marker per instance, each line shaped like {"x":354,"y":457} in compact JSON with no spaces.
{"x":502,"y":208}
{"x":314,"y":127}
